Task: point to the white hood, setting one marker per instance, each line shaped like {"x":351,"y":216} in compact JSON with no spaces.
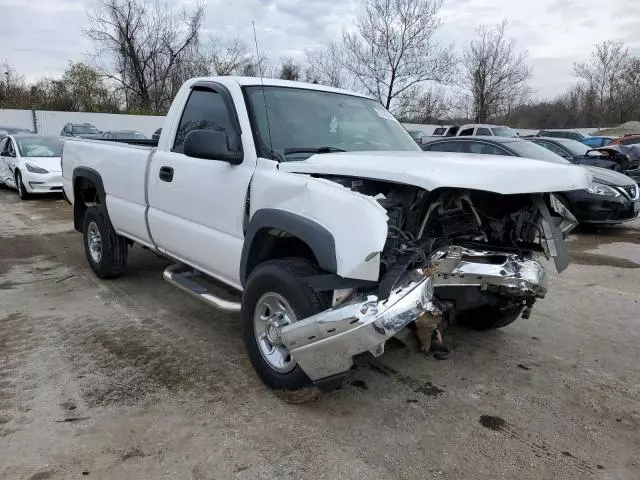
{"x":51,"y":164}
{"x":431,"y":170}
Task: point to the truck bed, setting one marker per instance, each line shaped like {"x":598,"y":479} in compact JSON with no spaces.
{"x":123,"y":169}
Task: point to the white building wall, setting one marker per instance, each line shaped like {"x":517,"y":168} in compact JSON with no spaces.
{"x":16,"y":118}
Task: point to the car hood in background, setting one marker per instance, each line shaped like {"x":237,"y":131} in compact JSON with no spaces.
{"x":431,"y":170}
{"x":609,"y":177}
{"x":51,"y":164}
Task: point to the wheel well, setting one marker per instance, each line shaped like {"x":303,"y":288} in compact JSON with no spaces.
{"x":85,"y":194}
{"x":269,"y":244}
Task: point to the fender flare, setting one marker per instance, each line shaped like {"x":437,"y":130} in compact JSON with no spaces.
{"x":92,"y":175}
{"x":317,"y":237}
{"x":96,"y":179}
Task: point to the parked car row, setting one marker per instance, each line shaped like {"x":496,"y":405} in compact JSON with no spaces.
{"x":88,"y":131}
{"x":612,"y":198}
{"x":31,"y":163}
{"x":593,"y":141}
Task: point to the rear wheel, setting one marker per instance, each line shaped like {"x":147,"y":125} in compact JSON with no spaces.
{"x":22,"y":191}
{"x":489,"y":317}
{"x":106,"y":251}
{"x":276,"y":295}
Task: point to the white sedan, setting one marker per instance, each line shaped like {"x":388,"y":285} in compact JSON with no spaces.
{"x":31,"y":164}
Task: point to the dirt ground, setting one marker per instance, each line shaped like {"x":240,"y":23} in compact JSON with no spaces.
{"x":133,"y":379}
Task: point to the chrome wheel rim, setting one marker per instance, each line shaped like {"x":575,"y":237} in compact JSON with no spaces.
{"x":95,"y":242}
{"x":271,"y":313}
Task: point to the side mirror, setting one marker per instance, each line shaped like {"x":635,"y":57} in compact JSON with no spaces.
{"x":212,"y":145}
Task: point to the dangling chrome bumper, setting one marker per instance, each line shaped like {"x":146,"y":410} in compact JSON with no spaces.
{"x":325,"y":344}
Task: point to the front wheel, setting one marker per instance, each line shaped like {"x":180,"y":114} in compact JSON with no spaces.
{"x":22,"y":191}
{"x":276,"y":295}
{"x":106,"y":251}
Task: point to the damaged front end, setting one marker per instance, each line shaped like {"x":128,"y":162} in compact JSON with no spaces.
{"x":447,"y":253}
{"x":510,"y":272}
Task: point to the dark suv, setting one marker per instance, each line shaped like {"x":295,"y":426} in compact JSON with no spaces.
{"x":80,"y":130}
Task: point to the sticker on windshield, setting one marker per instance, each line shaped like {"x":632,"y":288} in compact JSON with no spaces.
{"x":333,"y":125}
{"x":384,"y":114}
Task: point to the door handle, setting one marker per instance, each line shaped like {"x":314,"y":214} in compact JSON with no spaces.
{"x":166,"y":174}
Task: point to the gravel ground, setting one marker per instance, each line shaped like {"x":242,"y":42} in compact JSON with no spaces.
{"x":132,"y":378}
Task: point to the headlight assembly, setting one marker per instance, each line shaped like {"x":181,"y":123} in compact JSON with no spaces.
{"x":604,"y":190}
{"x":35,"y":169}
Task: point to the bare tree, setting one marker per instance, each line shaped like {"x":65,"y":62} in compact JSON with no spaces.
{"x":326,"y":66}
{"x":289,"y":69}
{"x":628,"y":99}
{"x":231,"y":57}
{"x":424,"y":105}
{"x":494,"y":74}
{"x":146,"y":48}
{"x":603,"y":74}
{"x":393,"y":49}
{"x":13,"y":88}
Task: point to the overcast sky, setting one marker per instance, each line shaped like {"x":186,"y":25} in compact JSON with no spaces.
{"x":40,"y":37}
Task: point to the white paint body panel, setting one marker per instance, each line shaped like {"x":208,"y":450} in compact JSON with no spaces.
{"x":198,"y":217}
{"x":431,"y":170}
{"x":123,"y":171}
{"x":358,"y":223}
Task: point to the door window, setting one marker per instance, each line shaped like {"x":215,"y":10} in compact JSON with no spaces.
{"x":205,"y":110}
{"x":3,"y":145}
{"x":467,"y":132}
{"x":454,"y":147}
{"x":485,"y":149}
{"x":555,"y":149}
{"x":483,"y":131}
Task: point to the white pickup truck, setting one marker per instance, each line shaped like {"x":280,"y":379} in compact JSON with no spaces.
{"x":312,"y":212}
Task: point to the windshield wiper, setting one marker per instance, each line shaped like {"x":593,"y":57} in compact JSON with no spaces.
{"x":288,"y":151}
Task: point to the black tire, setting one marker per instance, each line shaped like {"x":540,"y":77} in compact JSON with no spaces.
{"x":114,"y":247}
{"x":284,"y":277}
{"x":22,"y":192}
{"x":489,"y":317}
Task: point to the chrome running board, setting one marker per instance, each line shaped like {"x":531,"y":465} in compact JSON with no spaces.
{"x":184,"y":278}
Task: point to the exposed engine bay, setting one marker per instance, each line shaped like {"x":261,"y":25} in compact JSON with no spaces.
{"x":479,"y":247}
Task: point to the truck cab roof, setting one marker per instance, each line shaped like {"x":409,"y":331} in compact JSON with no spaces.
{"x":273,"y":82}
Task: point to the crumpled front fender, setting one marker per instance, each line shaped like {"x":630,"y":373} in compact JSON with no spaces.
{"x":358,"y":223}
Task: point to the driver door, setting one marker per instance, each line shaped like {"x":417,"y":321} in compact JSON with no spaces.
{"x":196,"y":205}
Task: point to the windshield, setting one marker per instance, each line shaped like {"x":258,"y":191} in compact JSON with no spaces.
{"x":525,"y":148}
{"x":310,"y":119}
{"x":504,"y":132}
{"x":83,"y":129}
{"x":39,"y":147}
